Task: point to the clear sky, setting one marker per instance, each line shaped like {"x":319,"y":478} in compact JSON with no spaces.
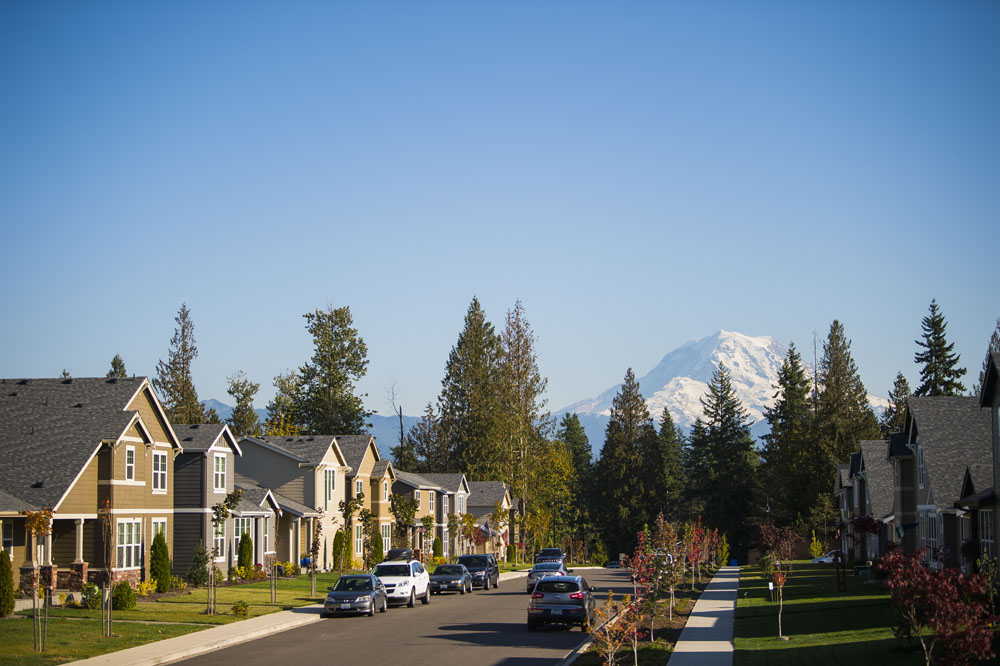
{"x":637,"y":173}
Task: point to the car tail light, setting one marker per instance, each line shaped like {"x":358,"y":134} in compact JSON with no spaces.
{"x":537,"y":595}
{"x":576,"y":595}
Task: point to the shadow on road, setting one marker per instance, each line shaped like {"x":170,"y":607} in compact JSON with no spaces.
{"x":510,"y":634}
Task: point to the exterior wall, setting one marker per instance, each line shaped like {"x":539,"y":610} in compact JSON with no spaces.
{"x":315,"y":493}
{"x":275,"y":471}
{"x":995,"y":412}
{"x":189,"y":531}
{"x":82,"y":497}
{"x":157,"y":427}
{"x":18,"y":554}
{"x":189,"y":480}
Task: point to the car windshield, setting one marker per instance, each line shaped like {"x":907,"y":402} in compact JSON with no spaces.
{"x":475,"y":561}
{"x":448,"y":570}
{"x":548,"y":566}
{"x":557,"y":586}
{"x":392,"y":570}
{"x":550,"y":552}
{"x":353,"y":584}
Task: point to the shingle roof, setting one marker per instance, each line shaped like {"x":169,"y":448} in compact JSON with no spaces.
{"x":416,"y":480}
{"x":897,"y":445}
{"x":354,"y":448}
{"x":486,"y":493}
{"x":450,"y":482}
{"x":310,"y":448}
{"x":878,"y":477}
{"x":49,"y":428}
{"x":841,"y":478}
{"x":991,"y":380}
{"x":294,"y":507}
{"x":378,"y":471}
{"x":11,"y":504}
{"x":198,"y":437}
{"x":955,"y":434}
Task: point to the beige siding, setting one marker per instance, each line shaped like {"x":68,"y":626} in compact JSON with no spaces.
{"x":143,"y":403}
{"x":82,"y":496}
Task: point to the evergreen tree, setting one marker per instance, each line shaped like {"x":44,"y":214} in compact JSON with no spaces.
{"x":173,"y":380}
{"x":669,"y":490}
{"x":843,"y":415}
{"x":575,"y":437}
{"x":892,"y":418}
{"x":326,"y":400}
{"x":620,"y":502}
{"x":940,"y":373}
{"x":244,"y":421}
{"x":993,"y":346}
{"x":117,"y":368}
{"x":211,"y":416}
{"x":790,"y":447}
{"x":698,"y":469}
{"x":6,"y":586}
{"x":281,"y":411}
{"x":468,"y":408}
{"x":428,"y":445}
{"x":159,"y":563}
{"x":65,"y":374}
{"x":244,"y":558}
{"x":197,"y":573}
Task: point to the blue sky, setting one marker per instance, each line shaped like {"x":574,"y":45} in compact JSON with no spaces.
{"x":638,"y":174}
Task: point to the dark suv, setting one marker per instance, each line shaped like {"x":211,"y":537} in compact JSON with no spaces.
{"x":484,"y":570}
{"x":551,"y":555}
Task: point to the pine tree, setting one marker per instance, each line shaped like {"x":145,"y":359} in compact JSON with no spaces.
{"x":940,"y":373}
{"x":620,"y":495}
{"x":173,"y":379}
{"x":671,"y":491}
{"x":843,"y":415}
{"x":327,"y":403}
{"x":159,"y":562}
{"x":117,"y":368}
{"x":892,"y":418}
{"x":197,"y":573}
{"x":572,"y":433}
{"x":282,"y":418}
{"x":244,"y":558}
{"x":244,"y":421}
{"x":6,"y":586}
{"x":428,"y":445}
{"x":992,"y":347}
{"x":789,"y":447}
{"x":469,"y":407}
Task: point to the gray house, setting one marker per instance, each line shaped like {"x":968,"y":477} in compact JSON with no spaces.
{"x":453,"y":502}
{"x":873,"y":491}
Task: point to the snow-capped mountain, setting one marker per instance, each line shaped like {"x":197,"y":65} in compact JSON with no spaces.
{"x":681,"y":378}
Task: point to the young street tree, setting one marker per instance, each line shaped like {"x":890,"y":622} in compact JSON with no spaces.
{"x":244,"y":421}
{"x":940,"y":373}
{"x":117,"y":368}
{"x":173,"y":380}
{"x":326,"y":399}
{"x":892,"y":418}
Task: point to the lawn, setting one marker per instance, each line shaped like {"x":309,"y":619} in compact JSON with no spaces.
{"x":823,"y":625}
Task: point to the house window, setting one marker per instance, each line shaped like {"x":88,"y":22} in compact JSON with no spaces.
{"x":430,"y":500}
{"x":359,"y":487}
{"x":329,"y":484}
{"x":219,"y":476}
{"x":461,"y":504}
{"x":416,"y":498}
{"x":386,"y":536}
{"x":130,"y":463}
{"x":444,"y":505}
{"x":921,"y":469}
{"x":266,"y":535}
{"x":219,"y":540}
{"x":129,"y":543}
{"x":8,"y":538}
{"x":159,"y":471}
{"x":359,"y":539}
{"x":444,"y":542}
{"x":385,"y":491}
{"x":242,"y":526}
{"x":159,"y":527}
{"x":986,"y":531}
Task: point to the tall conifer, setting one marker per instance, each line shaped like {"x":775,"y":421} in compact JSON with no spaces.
{"x":173,"y":381}
{"x":572,"y":433}
{"x":992,"y":346}
{"x":892,"y":418}
{"x":244,"y":421}
{"x":428,"y":444}
{"x":117,"y":368}
{"x":940,"y":373}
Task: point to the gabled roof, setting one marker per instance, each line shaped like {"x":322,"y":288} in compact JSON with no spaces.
{"x":355,"y":447}
{"x":991,"y":382}
{"x":381,"y":467}
{"x":256,"y":499}
{"x":855,"y":464}
{"x":842,"y":478}
{"x":453,"y":483}
{"x":878,"y":477}
{"x":51,"y":428}
{"x":295,"y":508}
{"x":12,"y":505}
{"x":898,"y":447}
{"x":486,"y":493}
{"x":201,"y":436}
{"x":955,"y":435}
{"x":307,"y":449}
{"x":417,"y":481}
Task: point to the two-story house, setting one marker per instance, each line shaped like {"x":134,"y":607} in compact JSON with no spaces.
{"x":98,"y":453}
{"x":843,"y":494}
{"x":485,"y":497}
{"x":371,"y":479}
{"x":982,"y":520}
{"x":873,"y":490}
{"x":453,"y":503}
{"x":307,"y":476}
{"x":427,"y":496}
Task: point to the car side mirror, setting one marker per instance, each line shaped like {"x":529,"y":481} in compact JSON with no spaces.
{"x":569,"y":571}
{"x":329,"y":589}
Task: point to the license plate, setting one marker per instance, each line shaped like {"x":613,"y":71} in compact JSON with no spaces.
{"x":557,"y":611}
{"x":345,"y":606}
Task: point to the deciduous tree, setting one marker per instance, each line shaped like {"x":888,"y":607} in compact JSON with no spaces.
{"x":244,"y":421}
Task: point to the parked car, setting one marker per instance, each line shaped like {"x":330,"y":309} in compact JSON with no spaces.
{"x":561,"y":600}
{"x":825,"y":559}
{"x":613,"y":564}
{"x":550,"y":555}
{"x":484,"y":570}
{"x":356,"y":594}
{"x":451,"y":577}
{"x":543,"y":569}
{"x":405,"y":581}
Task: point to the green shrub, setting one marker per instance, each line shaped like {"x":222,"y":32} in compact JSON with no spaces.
{"x":241,"y":608}
{"x":244,"y":560}
{"x":766,"y":565}
{"x":90,"y":596}
{"x":197,"y":573}
{"x":375,"y":550}
{"x":437,"y":547}
{"x":815,"y":547}
{"x":6,"y":586}
{"x":511,"y":552}
{"x":159,"y":562}
{"x":598,"y":553}
{"x":338,"y":549}
{"x":177,"y":584}
{"x":122,"y":596}
{"x":724,"y":551}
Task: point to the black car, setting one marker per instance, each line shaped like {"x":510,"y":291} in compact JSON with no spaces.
{"x":356,"y":594}
{"x":561,"y":600}
{"x":551,"y":555}
{"x":451,"y":578}
{"x":483,"y":568}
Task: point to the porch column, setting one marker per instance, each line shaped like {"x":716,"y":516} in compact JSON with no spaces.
{"x":48,"y":545}
{"x":79,"y":540}
{"x":258,"y":544}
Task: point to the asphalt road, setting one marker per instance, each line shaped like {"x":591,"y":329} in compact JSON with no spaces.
{"x":484,"y":629}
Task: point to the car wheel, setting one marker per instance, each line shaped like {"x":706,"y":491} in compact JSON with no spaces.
{"x":324,"y":614}
{"x":413,"y":600}
{"x":462,"y":591}
{"x":496,"y":583}
{"x":427,"y":596}
{"x":371,"y":611}
{"x":385,"y":606}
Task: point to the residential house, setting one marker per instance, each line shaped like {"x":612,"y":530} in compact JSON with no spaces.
{"x":484,"y":497}
{"x":307,"y":477}
{"x":843,"y":493}
{"x":453,"y":503}
{"x":256,"y":515}
{"x":945,"y":441}
{"x":373,"y":482}
{"x":383,"y":477}
{"x":427,"y":496}
{"x":99,"y":454}
{"x":873,"y":492}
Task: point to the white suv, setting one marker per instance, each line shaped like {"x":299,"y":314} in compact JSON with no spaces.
{"x":405,"y":581}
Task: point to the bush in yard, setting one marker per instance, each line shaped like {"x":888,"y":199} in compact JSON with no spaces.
{"x":159,"y":563}
{"x":197,"y":573}
{"x":177,"y":584}
{"x":815,"y":547}
{"x":245,"y":558}
{"x":241,"y":608}
{"x":511,"y":552}
{"x":724,"y":550}
{"x":6,"y":586}
{"x":122,"y":596}
{"x":90,"y":596}
{"x":438,"y":550}
{"x":145,"y":588}
{"x":375,"y":550}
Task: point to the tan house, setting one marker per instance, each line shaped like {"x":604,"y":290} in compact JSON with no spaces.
{"x":308,"y":477}
{"x":484,"y":496}
{"x":453,"y":503}
{"x":99,"y":453}
{"x":372,"y":478}
{"x":427,"y":496}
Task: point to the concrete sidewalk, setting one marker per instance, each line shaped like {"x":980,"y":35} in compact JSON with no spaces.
{"x":218,"y":637}
{"x":707,"y":639}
